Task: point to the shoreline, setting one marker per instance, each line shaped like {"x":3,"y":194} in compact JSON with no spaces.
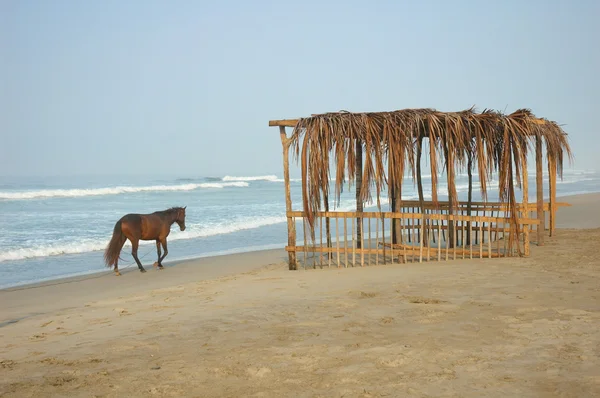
{"x":564,"y":217}
{"x":168,"y":263}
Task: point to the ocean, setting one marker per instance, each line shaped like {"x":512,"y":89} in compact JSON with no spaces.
{"x":57,"y":227}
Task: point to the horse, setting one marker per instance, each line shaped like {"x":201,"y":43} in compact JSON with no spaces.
{"x":135,"y":227}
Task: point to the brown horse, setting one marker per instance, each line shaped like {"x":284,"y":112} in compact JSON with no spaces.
{"x":155,"y":226}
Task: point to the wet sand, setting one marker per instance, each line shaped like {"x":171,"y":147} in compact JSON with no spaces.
{"x":243,"y":325}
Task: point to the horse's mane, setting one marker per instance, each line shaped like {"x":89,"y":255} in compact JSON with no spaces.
{"x":170,"y":210}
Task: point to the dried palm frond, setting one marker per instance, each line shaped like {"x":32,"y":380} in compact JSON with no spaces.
{"x":494,"y":143}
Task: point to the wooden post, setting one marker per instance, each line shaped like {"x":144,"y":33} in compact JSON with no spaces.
{"x":327,"y":226}
{"x":395,"y":190}
{"x":321,"y":238}
{"x":552,"y":192}
{"x":451,"y":190}
{"x":470,"y":193}
{"x":359,"y":203}
{"x":370,"y":244}
{"x":525,"y":207}
{"x":420,"y":187}
{"x":288,"y":199}
{"x":539,"y":185}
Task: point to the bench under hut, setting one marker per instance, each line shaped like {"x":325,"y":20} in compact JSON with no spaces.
{"x":376,"y":151}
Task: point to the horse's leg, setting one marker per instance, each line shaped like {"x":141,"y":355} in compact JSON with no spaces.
{"x":122,"y":242}
{"x":164,"y":245}
{"x":158,"y":262}
{"x":134,"y":250}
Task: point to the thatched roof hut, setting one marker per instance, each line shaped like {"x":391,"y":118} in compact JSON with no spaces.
{"x":375,"y":150}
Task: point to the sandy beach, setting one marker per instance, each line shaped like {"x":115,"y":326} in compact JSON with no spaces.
{"x":243,"y":325}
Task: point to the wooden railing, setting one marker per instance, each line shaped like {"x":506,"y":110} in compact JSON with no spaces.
{"x":412,"y":235}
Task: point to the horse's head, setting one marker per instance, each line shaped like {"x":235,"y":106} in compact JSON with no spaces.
{"x":180,"y":219}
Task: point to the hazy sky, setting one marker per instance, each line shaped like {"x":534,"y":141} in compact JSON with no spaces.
{"x":188,"y":87}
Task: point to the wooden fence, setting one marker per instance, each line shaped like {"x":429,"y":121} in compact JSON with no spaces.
{"x":480,"y":230}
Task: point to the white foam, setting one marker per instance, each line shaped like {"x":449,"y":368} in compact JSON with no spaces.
{"x":74,"y":193}
{"x":82,"y":246}
{"x":208,"y":229}
{"x":192,"y":231}
{"x":253,"y":178}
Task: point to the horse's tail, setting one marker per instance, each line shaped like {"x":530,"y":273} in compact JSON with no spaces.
{"x":111,"y":254}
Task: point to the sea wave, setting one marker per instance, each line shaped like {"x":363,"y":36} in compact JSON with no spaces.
{"x":193,"y":231}
{"x":74,"y":193}
{"x":273,"y":178}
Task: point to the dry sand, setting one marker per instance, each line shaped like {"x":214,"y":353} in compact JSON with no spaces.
{"x":244,"y":325}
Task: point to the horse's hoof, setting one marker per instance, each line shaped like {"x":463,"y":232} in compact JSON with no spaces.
{"x":160,"y":267}
{"x":155,"y":264}
{"x":142,"y":270}
{"x":117,"y":273}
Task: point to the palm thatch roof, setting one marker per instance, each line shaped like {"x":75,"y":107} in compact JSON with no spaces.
{"x":495,"y":143}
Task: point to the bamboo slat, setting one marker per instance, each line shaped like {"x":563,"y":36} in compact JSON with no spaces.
{"x":470,"y":240}
{"x":383,"y":238}
{"x":489,"y":240}
{"x":439,"y":242}
{"x":370,"y":242}
{"x":321,"y":239}
{"x":353,"y":244}
{"x":345,"y":243}
{"x":481,"y":243}
{"x":337,"y":242}
{"x":362,"y":245}
{"x":305,"y":242}
{"x":377,"y":240}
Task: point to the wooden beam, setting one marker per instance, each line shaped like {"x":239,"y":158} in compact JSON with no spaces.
{"x":412,"y":216}
{"x":283,"y":123}
{"x":293,"y":122}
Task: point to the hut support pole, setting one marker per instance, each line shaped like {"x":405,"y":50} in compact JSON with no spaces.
{"x":395,"y":192}
{"x":327,"y":226}
{"x":470,"y":193}
{"x":539,"y":185}
{"x":420,"y":187}
{"x":359,"y":203}
{"x":288,"y":199}
{"x":398,"y":208}
{"x":451,"y":204}
{"x":393,"y":229}
{"x":525,"y":213}
{"x":552,"y":193}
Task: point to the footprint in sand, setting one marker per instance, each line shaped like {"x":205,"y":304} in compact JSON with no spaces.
{"x":99,"y":321}
{"x":7,"y":364}
{"x":423,"y":300}
{"x":260,"y":372}
{"x":38,"y":337}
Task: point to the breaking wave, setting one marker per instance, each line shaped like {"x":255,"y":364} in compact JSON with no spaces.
{"x":75,"y":193}
{"x":273,"y":178}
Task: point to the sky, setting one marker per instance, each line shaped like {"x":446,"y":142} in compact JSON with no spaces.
{"x":188,"y":87}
